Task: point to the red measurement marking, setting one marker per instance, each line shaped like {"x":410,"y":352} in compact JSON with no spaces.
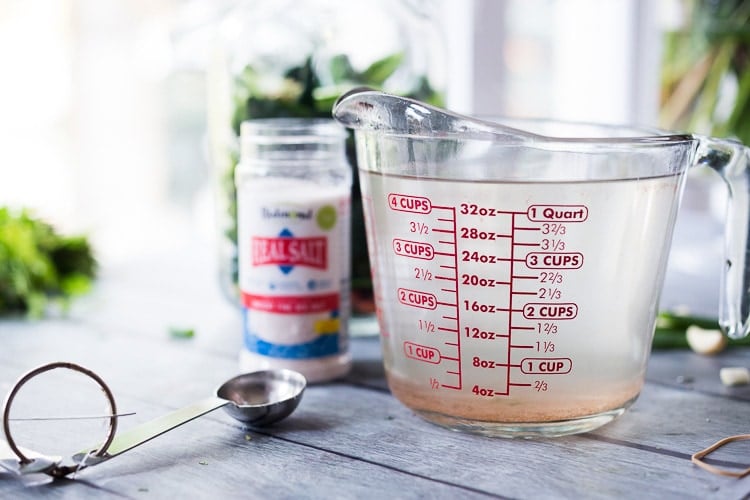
{"x":477,"y":333}
{"x":446,"y":278}
{"x":414,"y":249}
{"x":419,"y":227}
{"x":558,"y":213}
{"x":409,"y":203}
{"x":558,"y":310}
{"x":416,"y":298}
{"x":458,"y":313}
{"x":551,"y":277}
{"x":549,"y":260}
{"x":422,"y":353}
{"x":544,"y":366}
{"x":510,"y":303}
{"x":474,"y":209}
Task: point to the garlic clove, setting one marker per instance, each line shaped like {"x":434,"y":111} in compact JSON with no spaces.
{"x":735,"y":375}
{"x":705,"y":341}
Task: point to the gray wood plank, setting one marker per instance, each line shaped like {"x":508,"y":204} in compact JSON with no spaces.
{"x":570,"y":467}
{"x":370,"y":426}
{"x":210,"y":458}
{"x":695,"y":372}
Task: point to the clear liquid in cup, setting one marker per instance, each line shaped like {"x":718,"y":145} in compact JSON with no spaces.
{"x":518,"y":309}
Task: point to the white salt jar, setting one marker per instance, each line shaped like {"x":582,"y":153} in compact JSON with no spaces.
{"x":293,"y":212}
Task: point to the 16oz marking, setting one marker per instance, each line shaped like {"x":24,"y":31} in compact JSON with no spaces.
{"x":479,"y":307}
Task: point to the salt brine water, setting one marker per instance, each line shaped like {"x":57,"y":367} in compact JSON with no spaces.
{"x":517,"y":302}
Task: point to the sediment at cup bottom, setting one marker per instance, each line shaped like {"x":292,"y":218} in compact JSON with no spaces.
{"x":512,"y":410}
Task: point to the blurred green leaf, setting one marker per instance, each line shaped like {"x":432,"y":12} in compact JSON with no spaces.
{"x":341,"y":69}
{"x":700,"y":61}
{"x":379,"y":71}
{"x":181,"y":333}
{"x":39,"y":266}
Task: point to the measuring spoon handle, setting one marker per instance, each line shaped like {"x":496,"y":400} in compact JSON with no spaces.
{"x":149,"y":430}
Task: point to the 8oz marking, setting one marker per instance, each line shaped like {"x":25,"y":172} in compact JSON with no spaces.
{"x":478,"y":362}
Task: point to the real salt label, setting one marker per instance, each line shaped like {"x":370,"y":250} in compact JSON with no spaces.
{"x":293,"y":242}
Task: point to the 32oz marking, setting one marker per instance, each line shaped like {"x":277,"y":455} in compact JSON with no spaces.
{"x":474,"y":209}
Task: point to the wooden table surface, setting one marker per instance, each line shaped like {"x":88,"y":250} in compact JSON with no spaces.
{"x":349,"y":439}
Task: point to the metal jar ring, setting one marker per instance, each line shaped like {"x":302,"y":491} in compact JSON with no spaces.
{"x":45,"y":368}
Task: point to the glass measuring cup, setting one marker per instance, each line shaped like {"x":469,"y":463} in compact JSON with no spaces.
{"x":517,"y":274}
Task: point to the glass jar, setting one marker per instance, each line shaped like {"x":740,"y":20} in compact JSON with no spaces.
{"x":293,"y":202}
{"x":279,"y":58}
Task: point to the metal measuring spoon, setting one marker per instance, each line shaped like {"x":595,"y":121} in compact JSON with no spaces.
{"x":256,"y":399}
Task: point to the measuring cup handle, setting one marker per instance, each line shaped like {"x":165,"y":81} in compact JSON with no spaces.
{"x":149,"y":430}
{"x":732,"y":161}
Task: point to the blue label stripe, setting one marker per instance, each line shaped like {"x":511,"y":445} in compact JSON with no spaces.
{"x":323,"y":345}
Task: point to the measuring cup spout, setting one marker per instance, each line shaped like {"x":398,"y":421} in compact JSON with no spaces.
{"x":732,"y":161}
{"x":370,"y":110}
